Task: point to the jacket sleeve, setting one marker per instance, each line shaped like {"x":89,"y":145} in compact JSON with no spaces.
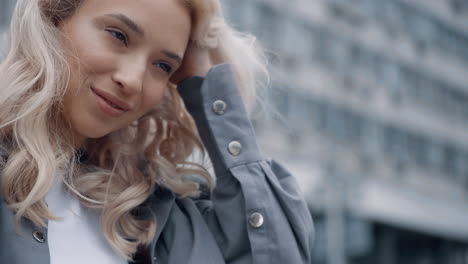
{"x":256,"y":212}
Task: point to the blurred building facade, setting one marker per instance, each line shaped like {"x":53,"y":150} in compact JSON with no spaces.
{"x":373,"y":103}
{"x":372,"y":98}
{"x":6,"y":7}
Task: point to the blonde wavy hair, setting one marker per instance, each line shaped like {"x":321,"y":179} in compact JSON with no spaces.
{"x":123,"y":168}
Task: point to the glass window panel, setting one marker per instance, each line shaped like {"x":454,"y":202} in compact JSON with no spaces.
{"x":334,"y":125}
{"x":280,"y":98}
{"x":435,"y":155}
{"x":389,"y":15}
{"x":322,"y":116}
{"x":250,"y":17}
{"x":417,"y":149}
{"x":294,"y":37}
{"x":3,"y":14}
{"x":341,"y":54}
{"x":320,"y":52}
{"x":315,"y":111}
{"x":461,"y":164}
{"x":267,"y":28}
{"x":298,"y":110}
{"x":233,"y":11}
{"x":6,"y":8}
{"x":355,"y":126}
{"x":373,"y":137}
{"x":449,"y":165}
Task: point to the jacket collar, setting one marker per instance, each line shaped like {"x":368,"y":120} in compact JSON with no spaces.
{"x":160,"y":204}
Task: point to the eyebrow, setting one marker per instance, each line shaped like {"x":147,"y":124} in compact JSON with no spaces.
{"x":129,"y":23}
{"x":172,"y":55}
{"x":137,"y":29}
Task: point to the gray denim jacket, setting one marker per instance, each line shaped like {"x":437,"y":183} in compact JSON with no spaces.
{"x":256,"y":213}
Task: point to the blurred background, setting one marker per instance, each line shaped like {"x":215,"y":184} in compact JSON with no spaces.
{"x":373,"y":104}
{"x":372,"y":117}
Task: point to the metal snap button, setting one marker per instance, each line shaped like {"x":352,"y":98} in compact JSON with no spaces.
{"x":256,"y":220}
{"x":39,"y":236}
{"x":235,"y":148}
{"x":219,"y":107}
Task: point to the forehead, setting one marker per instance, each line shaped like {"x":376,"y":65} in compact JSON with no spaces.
{"x":161,"y":20}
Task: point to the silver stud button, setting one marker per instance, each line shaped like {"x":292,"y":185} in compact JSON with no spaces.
{"x":235,"y":148}
{"x":256,"y":220}
{"x":39,"y":236}
{"x":219,"y":107}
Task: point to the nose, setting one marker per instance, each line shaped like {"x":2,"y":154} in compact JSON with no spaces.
{"x":129,"y":76}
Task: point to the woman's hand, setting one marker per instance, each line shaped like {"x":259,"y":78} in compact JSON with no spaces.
{"x":197,"y":62}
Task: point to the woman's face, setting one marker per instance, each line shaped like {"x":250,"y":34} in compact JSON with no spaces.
{"x":122,"y":54}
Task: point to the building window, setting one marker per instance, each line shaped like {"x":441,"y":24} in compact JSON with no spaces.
{"x":340,"y":54}
{"x":459,"y":6}
{"x":267,"y":28}
{"x":417,"y":150}
{"x":461,"y":165}
{"x":6,"y":8}
{"x":390,"y":17}
{"x":233,"y":11}
{"x":249,"y":19}
{"x":435,"y":156}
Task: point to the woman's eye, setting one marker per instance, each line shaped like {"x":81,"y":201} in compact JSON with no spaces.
{"x":119,"y":36}
{"x":164,"y":66}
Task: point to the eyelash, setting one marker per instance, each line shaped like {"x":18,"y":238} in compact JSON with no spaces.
{"x":120,"y":36}
{"x":167,"y":69}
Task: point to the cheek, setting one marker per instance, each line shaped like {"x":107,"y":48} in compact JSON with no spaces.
{"x":153,"y":96}
{"x":92,"y":62}
{"x":86,"y":52}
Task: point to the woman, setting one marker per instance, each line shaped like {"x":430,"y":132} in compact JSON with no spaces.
{"x":96,"y":139}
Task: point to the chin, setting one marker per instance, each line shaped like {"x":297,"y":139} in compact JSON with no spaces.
{"x":95,"y":132}
{"x":93,"y":129}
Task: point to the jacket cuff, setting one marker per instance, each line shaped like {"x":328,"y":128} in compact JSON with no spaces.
{"x":222,"y":121}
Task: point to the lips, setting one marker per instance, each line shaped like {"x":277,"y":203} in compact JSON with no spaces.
{"x":112,"y":100}
{"x":109,"y":104}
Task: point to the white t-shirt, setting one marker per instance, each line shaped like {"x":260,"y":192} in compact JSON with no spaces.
{"x":76,"y":237}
